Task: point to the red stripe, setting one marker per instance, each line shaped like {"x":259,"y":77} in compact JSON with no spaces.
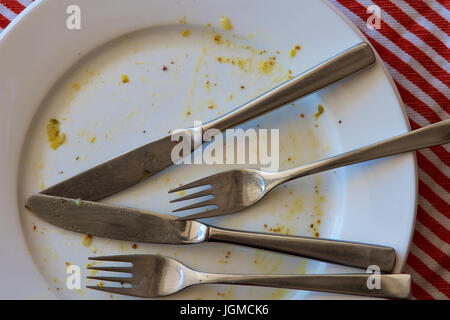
{"x":428,"y":274}
{"x":436,"y":70}
{"x":406,"y":21}
{"x":433,"y":171}
{"x":418,"y":293}
{"x":3,"y":22}
{"x":439,"y":204}
{"x":434,"y":226}
{"x":440,"y":257}
{"x":431,"y":15}
{"x":13,"y":5}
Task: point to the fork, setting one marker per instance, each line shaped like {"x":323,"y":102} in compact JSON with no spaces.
{"x":236,"y":190}
{"x":155,"y":276}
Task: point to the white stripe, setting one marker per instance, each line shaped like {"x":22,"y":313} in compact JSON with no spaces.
{"x":434,"y":213}
{"x":441,"y":10}
{"x":405,"y":57}
{"x":417,"y":117}
{"x":432,"y":237}
{"x":8,"y":14}
{"x":433,"y":185}
{"x":424,"y":284}
{"x":430,"y":262}
{"x":423,"y":21}
{"x":25,"y":3}
{"x":387,"y":43}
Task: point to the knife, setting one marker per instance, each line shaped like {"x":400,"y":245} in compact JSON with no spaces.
{"x":122,"y":223}
{"x":139,"y":164}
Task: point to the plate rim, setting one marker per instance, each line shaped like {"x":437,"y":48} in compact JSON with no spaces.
{"x":405,"y":116}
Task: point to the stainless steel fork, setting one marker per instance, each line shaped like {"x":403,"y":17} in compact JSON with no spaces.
{"x":156,"y":276}
{"x":235,"y":190}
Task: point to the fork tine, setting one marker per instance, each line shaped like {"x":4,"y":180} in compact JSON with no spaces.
{"x":112,"y":269}
{"x":205,"y":203}
{"x":207,"y":192}
{"x":117,"y":290}
{"x":197,"y":183}
{"x":112,"y":279}
{"x":120,"y":258}
{"x":201,"y":215}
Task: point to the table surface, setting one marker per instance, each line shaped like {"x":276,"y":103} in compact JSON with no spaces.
{"x":413,"y":39}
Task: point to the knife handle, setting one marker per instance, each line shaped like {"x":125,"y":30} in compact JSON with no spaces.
{"x":344,"y":64}
{"x":346,"y":253}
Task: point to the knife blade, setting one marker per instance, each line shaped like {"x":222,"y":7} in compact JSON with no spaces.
{"x":116,"y":174}
{"x":115,"y":222}
{"x":122,"y":223}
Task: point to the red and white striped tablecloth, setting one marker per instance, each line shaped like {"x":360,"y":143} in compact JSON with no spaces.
{"x":413,"y":40}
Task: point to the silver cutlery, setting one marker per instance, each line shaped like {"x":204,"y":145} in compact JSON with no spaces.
{"x":238,"y":189}
{"x":156,"y":276}
{"x":122,"y":223}
{"x":138,"y":164}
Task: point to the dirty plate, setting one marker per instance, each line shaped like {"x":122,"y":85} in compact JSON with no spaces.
{"x":138,"y":70}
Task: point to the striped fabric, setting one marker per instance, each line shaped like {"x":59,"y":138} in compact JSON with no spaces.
{"x":413,"y":40}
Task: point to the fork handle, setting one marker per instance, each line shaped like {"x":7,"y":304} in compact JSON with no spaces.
{"x":432,"y":135}
{"x":334,"y":69}
{"x":397,"y":286}
{"x":351,"y":254}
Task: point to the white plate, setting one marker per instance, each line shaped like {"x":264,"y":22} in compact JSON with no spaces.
{"x":41,"y":60}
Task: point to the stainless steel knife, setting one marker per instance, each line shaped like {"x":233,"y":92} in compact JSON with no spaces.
{"x":136,"y":165}
{"x":122,"y":223}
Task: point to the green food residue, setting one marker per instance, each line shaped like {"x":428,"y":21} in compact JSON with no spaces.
{"x":319,"y":112}
{"x":54,"y":136}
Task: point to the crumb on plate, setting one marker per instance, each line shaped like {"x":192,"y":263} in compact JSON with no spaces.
{"x":217,"y":38}
{"x":226,"y":23}
{"x":294,"y":51}
{"x":185,"y":33}
{"x":125,"y":78}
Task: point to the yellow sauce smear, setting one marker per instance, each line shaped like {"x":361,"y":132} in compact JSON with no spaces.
{"x":243,"y":64}
{"x":266,"y":67}
{"x":55,"y":137}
